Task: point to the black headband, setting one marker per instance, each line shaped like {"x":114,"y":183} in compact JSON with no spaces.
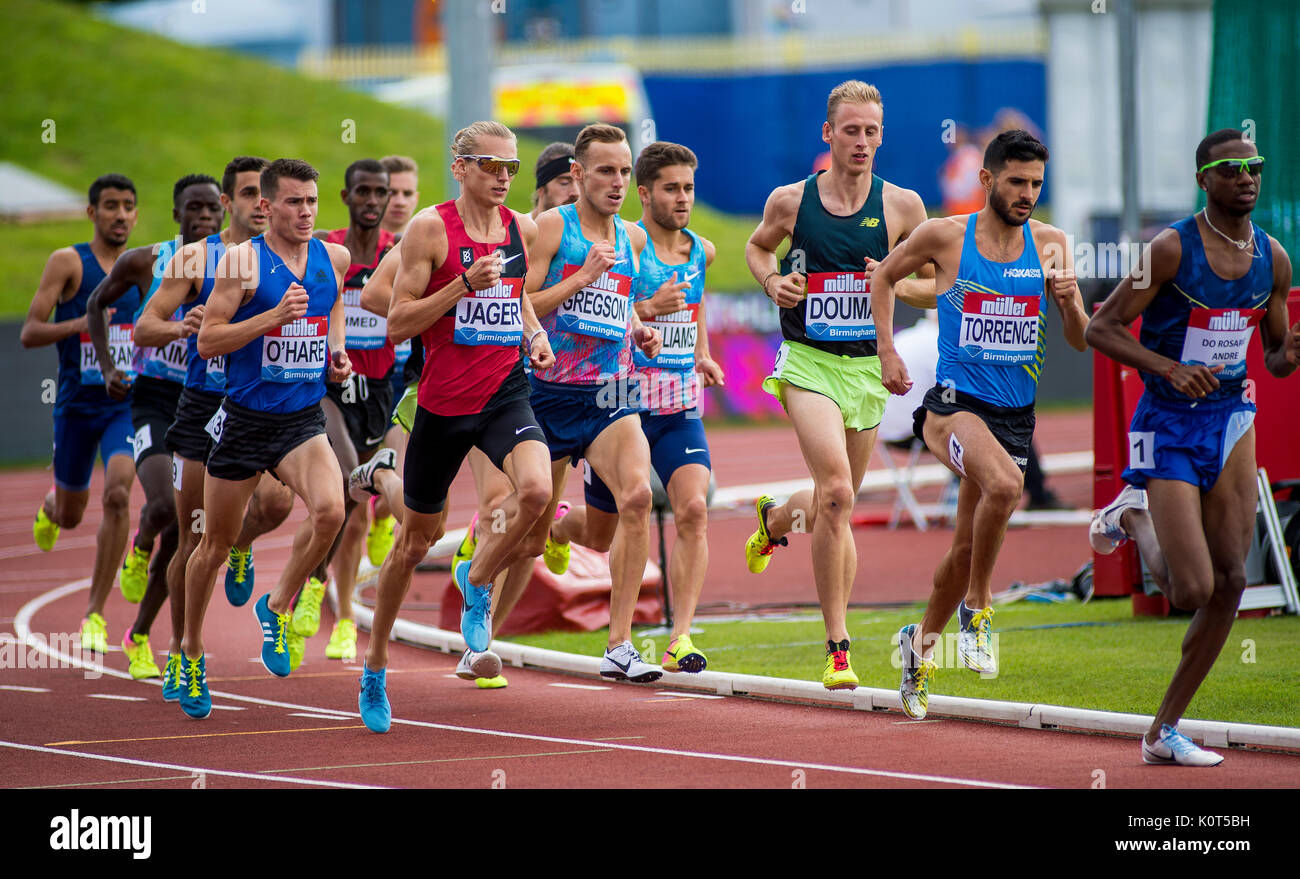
{"x":552,"y":169}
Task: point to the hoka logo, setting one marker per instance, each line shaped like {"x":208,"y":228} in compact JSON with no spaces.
{"x":869,"y":222}
{"x":1231,"y":320}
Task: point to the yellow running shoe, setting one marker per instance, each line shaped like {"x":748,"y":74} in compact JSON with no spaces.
{"x":465,"y":552}
{"x":914,"y":689}
{"x":297,"y":645}
{"x":45,"y":532}
{"x":556,"y":555}
{"x":343,"y":641}
{"x":495,"y":683}
{"x":94,"y":634}
{"x":379,"y":540}
{"x":838,"y":674}
{"x":758,"y":549}
{"x":134,"y":576}
{"x":682,"y":655}
{"x":306,"y":613}
{"x":140,"y":657}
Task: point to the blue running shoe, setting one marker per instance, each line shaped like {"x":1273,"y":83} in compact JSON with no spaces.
{"x":195,"y":700}
{"x":475,"y":611}
{"x":275,"y":632}
{"x":239,"y":576}
{"x":373,"y":700}
{"x":172,"y":678}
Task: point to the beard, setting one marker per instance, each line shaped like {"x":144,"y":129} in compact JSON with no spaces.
{"x":1002,"y":208}
{"x":666,"y":219}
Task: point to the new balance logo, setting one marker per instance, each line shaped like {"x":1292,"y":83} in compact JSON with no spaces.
{"x":870,"y":222}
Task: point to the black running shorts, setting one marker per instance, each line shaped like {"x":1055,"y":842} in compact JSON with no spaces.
{"x":247,"y":442}
{"x":1012,"y":427}
{"x":367,"y":407}
{"x":188,"y":436}
{"x":153,"y":409}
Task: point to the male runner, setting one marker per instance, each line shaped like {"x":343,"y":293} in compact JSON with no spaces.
{"x":1206,"y":282}
{"x":85,"y":417}
{"x":554,"y":177}
{"x":460,"y":285}
{"x":276,"y":312}
{"x":668,"y":293}
{"x":186,"y":283}
{"x":840,"y":223}
{"x":196,"y":206}
{"x":403,"y":193}
{"x":998,"y":269}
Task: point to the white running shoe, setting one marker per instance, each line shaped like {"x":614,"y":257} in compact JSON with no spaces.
{"x":1106,"y":533}
{"x":478,"y":665}
{"x":361,"y":481}
{"x":1175,"y":748}
{"x":623,"y":663}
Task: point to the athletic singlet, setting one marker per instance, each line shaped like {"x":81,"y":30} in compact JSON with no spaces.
{"x":368,"y":347}
{"x":668,"y":382}
{"x":81,"y":383}
{"x":1199,"y":317}
{"x":469,"y":351}
{"x":284,"y":370}
{"x":167,"y":363}
{"x":992,"y":325}
{"x":208,"y":375}
{"x":836,"y":315}
{"x":590,"y":331}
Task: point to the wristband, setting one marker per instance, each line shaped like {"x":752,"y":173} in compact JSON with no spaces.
{"x":764,"y":284}
{"x":534,"y":336}
{"x":467,"y":285}
{"x":1171,"y":371}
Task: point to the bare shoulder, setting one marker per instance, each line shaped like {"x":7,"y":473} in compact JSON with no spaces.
{"x":1045,"y":232}
{"x":900,"y":198}
{"x":426,"y":223}
{"x":635,"y":234}
{"x":527,"y":225}
{"x":339,"y":255}
{"x":785,"y":199}
{"x":709,"y":250}
{"x":1281,"y":259}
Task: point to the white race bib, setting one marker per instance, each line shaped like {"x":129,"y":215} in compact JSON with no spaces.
{"x":1220,"y":336}
{"x":216,"y":424}
{"x":491,"y":317}
{"x":297,"y":351}
{"x":599,"y":309}
{"x":216,"y":373}
{"x":838,"y":307}
{"x":121,"y":344}
{"x":366,"y":331}
{"x":679,"y":331}
{"x":998,"y":330}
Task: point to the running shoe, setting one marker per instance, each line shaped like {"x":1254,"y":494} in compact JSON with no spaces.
{"x":297,"y":645}
{"x":196,"y":702}
{"x":44,"y":531}
{"x":343,"y":641}
{"x":758,"y":549}
{"x":379,"y":539}
{"x":239,"y":576}
{"x":1106,"y":533}
{"x":134,"y":576}
{"x":556,"y":555}
{"x":838,"y":674}
{"x":1174,"y":748}
{"x":171,"y":689}
{"x":373,"y":700}
{"x":361,"y":481}
{"x":275,"y":631}
{"x":623,"y":663}
{"x":914,"y":691}
{"x":475,"y":610}
{"x":469,"y":543}
{"x":682,"y":655}
{"x":94,"y":633}
{"x":494,"y":683}
{"x":306,"y":613}
{"x":139,"y":656}
{"x":473,"y":666}
{"x":974,"y":641}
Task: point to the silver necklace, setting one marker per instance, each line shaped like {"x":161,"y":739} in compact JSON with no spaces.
{"x":1240,"y":245}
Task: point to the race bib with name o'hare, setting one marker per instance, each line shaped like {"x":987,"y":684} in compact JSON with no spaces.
{"x":838,"y":307}
{"x":491,"y":317}
{"x":998,"y":330}
{"x":121,"y":345}
{"x":600,"y":309}
{"x":366,"y":331}
{"x":1219,"y":337}
{"x":297,"y":351}
{"x":679,"y":331}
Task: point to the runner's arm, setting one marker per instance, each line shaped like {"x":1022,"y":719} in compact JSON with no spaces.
{"x":1063,"y":287}
{"x":377,"y":294}
{"x":760,"y":251}
{"x":60,"y":269}
{"x":708,"y":368}
{"x":218,"y":335}
{"x":924,"y":245}
{"x":1281,"y":343}
{"x":918,"y":291}
{"x":338,"y":331}
{"x":155,"y":327}
{"x":132,"y":269}
{"x":1108,"y":330}
{"x":410,"y":312}
{"x":550,"y":229}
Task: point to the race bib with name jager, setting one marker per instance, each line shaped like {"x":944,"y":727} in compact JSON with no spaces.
{"x":121,"y":345}
{"x":1219,"y":337}
{"x":838,"y":307}
{"x":491,"y":317}
{"x":998,"y":330}
{"x":600,"y":309}
{"x":297,"y":351}
{"x":366,"y":331}
{"x":679,"y":331}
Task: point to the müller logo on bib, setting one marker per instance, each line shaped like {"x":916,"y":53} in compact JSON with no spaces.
{"x":1220,"y":337}
{"x":998,"y":330}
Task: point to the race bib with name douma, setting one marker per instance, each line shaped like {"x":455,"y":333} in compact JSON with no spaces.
{"x":838,"y":307}
{"x":998,"y":330}
{"x":679,"y":331}
{"x":599,"y":309}
{"x":297,"y":351}
{"x":491,"y":317}
{"x":1219,"y":337}
{"x":366,"y":331}
{"x":121,"y":345}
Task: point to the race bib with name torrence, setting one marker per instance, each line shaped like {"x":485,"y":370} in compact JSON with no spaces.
{"x":838,"y":307}
{"x":366,"y":331}
{"x":1219,"y":337}
{"x":679,"y":331}
{"x":600,"y":309}
{"x":121,"y":344}
{"x":493,"y":316}
{"x":297,"y":351}
{"x":998,"y":330}
{"x":214,"y":378}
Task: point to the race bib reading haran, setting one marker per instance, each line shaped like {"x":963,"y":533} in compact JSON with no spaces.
{"x":366,"y":331}
{"x":121,"y":345}
{"x":599,"y":309}
{"x":215,"y":377}
{"x":296,"y":351}
{"x":838,"y":307}
{"x":679,"y":331}
{"x":492,"y":316}
{"x":1219,"y":337}
{"x":998,"y":330}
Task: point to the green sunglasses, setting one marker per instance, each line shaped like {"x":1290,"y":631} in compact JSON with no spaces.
{"x":1252,"y":165}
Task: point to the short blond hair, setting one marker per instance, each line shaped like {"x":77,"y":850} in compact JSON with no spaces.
{"x":851,"y":91}
{"x":596,"y":133}
{"x":466,"y":141}
{"x":399,"y":165}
